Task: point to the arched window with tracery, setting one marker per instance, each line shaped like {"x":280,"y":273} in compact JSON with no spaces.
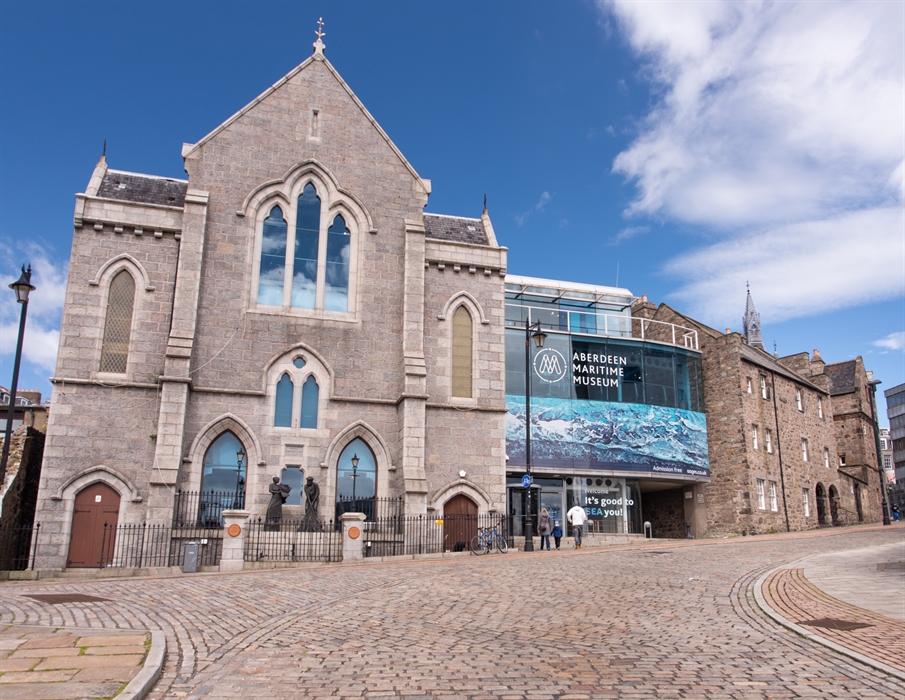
{"x":118,"y":323}
{"x":462,"y":342}
{"x":305,"y":265}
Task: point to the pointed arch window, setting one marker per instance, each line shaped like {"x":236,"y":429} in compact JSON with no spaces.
{"x":118,"y":323}
{"x":273,"y":259}
{"x":307,"y":265}
{"x":310,"y":393}
{"x":462,"y":341}
{"x":282,"y":414}
{"x":223,"y":478}
{"x":356,"y":480}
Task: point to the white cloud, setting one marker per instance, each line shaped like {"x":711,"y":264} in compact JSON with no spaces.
{"x":45,"y":306}
{"x":774,"y":120}
{"x":894,"y":341}
{"x":544,"y":200}
{"x":627,"y":234}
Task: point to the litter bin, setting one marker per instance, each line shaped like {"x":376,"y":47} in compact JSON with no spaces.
{"x":190,"y":561}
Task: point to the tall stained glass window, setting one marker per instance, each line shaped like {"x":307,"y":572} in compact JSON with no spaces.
{"x":273,"y":259}
{"x":310,"y":393}
{"x":282,"y":415}
{"x":307,"y":237}
{"x":336,"y":288}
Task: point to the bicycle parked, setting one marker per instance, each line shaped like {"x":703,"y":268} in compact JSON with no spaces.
{"x":486,"y":539}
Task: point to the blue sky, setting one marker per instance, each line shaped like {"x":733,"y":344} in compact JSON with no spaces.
{"x":695,"y":146}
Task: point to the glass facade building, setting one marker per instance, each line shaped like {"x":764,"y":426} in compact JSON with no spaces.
{"x":611,"y":410}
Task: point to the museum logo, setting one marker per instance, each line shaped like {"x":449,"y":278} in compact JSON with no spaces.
{"x":550,"y":365}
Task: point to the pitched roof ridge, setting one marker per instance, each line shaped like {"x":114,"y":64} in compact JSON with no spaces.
{"x":712,"y":331}
{"x":150,"y":177}
{"x":453,"y":216}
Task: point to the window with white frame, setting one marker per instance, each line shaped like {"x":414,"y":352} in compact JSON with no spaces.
{"x":754,"y":437}
{"x":826,"y":457}
{"x":764,"y":391}
{"x":804,"y":449}
{"x":748,"y":384}
{"x":819,"y":407}
{"x":806,"y":502}
{"x":842,"y":460}
{"x":761,"y":498}
{"x":774,"y":502}
{"x":798,"y":403}
{"x":768,"y":440}
{"x":305,"y":265}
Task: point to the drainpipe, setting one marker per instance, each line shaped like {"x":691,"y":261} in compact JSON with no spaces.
{"x":782,"y":477}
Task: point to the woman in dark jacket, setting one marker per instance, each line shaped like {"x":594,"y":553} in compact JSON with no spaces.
{"x":544,"y":526}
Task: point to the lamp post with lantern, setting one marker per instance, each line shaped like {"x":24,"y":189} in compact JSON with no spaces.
{"x":22,"y":287}
{"x":532,"y":332}
{"x":240,"y":482}
{"x":354,"y":479}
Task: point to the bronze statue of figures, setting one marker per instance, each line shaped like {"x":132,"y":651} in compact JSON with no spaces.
{"x":278,"y":495}
{"x":312,"y":497}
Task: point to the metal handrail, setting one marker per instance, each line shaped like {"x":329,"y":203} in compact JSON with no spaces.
{"x":603,"y":325}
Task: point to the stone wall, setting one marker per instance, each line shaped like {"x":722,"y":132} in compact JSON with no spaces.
{"x":666,"y":512}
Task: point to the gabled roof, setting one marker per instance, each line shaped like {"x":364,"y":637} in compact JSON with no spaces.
{"x":841,"y":376}
{"x":455,"y":228}
{"x":187,"y":149}
{"x":765,"y":360}
{"x":143,"y":189}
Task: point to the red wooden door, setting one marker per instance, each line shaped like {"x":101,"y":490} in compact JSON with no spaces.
{"x":95,"y":506}
{"x":460,"y":523}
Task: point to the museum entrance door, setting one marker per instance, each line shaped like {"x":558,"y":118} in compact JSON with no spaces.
{"x":95,"y":506}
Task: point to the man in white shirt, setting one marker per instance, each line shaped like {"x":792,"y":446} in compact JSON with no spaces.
{"x":577,"y":516}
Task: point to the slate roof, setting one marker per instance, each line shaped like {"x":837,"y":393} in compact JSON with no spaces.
{"x":455,"y":228}
{"x":767,"y":361}
{"x":841,"y":376}
{"x":144,"y":189}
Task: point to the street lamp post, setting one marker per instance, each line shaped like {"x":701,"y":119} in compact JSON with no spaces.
{"x":873,"y":415}
{"x":354,"y":479}
{"x":539,"y":337}
{"x":22,"y":288}
{"x":240,"y":457}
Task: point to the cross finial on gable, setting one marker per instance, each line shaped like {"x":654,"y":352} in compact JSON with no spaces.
{"x":319,"y":44}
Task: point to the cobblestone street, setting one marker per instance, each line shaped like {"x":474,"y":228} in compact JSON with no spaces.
{"x":665,"y":620}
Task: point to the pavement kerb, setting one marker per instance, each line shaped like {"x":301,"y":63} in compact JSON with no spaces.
{"x":141,"y":685}
{"x":762,"y":602}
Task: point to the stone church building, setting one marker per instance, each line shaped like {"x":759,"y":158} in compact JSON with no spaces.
{"x":288,"y":307}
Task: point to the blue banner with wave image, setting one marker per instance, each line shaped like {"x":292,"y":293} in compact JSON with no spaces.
{"x":608,"y":435}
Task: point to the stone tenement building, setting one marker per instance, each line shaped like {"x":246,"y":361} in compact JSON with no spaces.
{"x":287,"y":308}
{"x":791,"y":440}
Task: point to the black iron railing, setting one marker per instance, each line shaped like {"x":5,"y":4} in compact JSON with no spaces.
{"x":17,"y":547}
{"x":142,"y":546}
{"x":292,"y":541}
{"x":426,"y":534}
{"x":204,"y":509}
{"x":373,"y":508}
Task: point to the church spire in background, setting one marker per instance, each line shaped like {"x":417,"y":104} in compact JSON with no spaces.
{"x":751,"y":323}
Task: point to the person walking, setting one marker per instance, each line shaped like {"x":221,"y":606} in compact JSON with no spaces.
{"x":557,"y":533}
{"x":577,"y":517}
{"x":544,"y":527}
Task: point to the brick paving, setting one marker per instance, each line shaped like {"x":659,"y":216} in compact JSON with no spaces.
{"x":790,"y":594}
{"x":654,"y":620}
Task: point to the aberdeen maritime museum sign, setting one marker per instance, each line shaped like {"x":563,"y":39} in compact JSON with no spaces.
{"x":617,"y":404}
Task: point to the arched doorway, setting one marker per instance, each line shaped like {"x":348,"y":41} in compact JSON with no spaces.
{"x":356,"y":480}
{"x":222,"y":479}
{"x":834,"y":505}
{"x":90,"y":544}
{"x":858,"y":505}
{"x":460,"y":523}
{"x":820,"y":493}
